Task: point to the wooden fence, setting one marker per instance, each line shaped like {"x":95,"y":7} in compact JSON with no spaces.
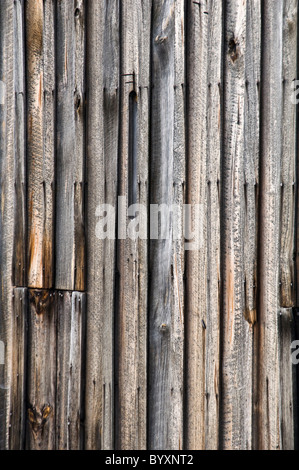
{"x":124,"y":343}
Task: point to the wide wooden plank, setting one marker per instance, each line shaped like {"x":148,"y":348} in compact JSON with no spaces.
{"x":288,"y":163}
{"x":18,"y":376}
{"x":70,"y":126}
{"x":41,"y":381}
{"x":20,"y":226}
{"x":7,"y":108}
{"x":102,"y":156}
{"x":131,"y":395}
{"x":70,"y":307}
{"x":40,"y":70}
{"x":166,"y":269}
{"x":236,"y":342}
{"x":269,"y":220}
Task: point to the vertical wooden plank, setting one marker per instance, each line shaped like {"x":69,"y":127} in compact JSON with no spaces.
{"x":41,"y":383}
{"x":102,"y":153}
{"x":19,"y":250}
{"x":70,"y":68}
{"x":286,"y":380}
{"x":132,"y":256}
{"x":203,"y":186}
{"x":236,"y":373}
{"x":167,"y":178}
{"x":288,"y":163}
{"x":7,"y":106}
{"x":269,"y":223}
{"x":40,"y":140}
{"x":70,"y":330}
{"x":18,"y":378}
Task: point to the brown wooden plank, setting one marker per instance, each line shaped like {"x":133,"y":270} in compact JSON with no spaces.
{"x":19,"y":250}
{"x":41,"y":383}
{"x":7,"y":107}
{"x":288,"y":164}
{"x":40,"y":140}
{"x":18,"y":378}
{"x":236,"y":342}
{"x":102,"y":153}
{"x":70,"y":308}
{"x":269,"y":218}
{"x":166,"y":294}
{"x":70,"y":69}
{"x":132,"y":255}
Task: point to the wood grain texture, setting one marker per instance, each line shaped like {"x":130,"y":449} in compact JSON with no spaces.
{"x":102,"y":172}
{"x":70,"y":307}
{"x":166,"y":269}
{"x":70,"y":160}
{"x":288,"y":157}
{"x":287,"y":380}
{"x":236,"y":343}
{"x":41,"y":382}
{"x":20,"y":222}
{"x":131,"y":394}
{"x":269,"y":221}
{"x":18,"y":376}
{"x":40,"y":72}
{"x":7,"y":108}
{"x":203,"y":187}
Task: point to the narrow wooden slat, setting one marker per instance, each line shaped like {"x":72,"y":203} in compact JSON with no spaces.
{"x":70,"y":336}
{"x":102,"y":152}
{"x":41,"y":382}
{"x":7,"y":107}
{"x":166,"y":295}
{"x":203,"y":185}
{"x":269,"y":220}
{"x":236,"y":342}
{"x":70,"y":68}
{"x":18,"y":379}
{"x":132,"y":256}
{"x":288,"y":164}
{"x":286,"y":379}
{"x":19,"y":251}
{"x":40,"y":140}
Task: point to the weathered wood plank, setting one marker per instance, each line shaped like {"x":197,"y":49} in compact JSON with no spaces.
{"x":41,"y":382}
{"x":40,"y":70}
{"x":70,"y":70}
{"x":102,"y":152}
{"x":166,"y":270}
{"x":288,"y":155}
{"x":131,"y":421}
{"x":7,"y":107}
{"x":203,"y":264}
{"x":236,"y":342}
{"x":70,"y":339}
{"x":269,"y":221}
{"x":20,"y":226}
{"x":287,"y":379}
{"x":18,"y":377}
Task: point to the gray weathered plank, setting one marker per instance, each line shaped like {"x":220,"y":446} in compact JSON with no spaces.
{"x":166,"y":270}
{"x":131,"y":421}
{"x":269,"y":220}
{"x":40,"y":72}
{"x":70,"y":70}
{"x":236,"y":342}
{"x":18,"y":376}
{"x":41,"y":381}
{"x":7,"y":108}
{"x":70,"y":308}
{"x":102,"y":152}
{"x":20,"y":249}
